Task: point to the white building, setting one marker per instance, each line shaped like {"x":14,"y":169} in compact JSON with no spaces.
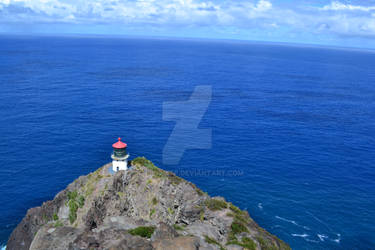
{"x":119,"y":156}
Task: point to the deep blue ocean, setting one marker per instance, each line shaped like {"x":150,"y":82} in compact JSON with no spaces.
{"x":293,"y":127}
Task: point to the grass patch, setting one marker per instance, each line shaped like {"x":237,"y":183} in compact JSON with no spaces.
{"x":142,"y":161}
{"x":120,"y":194}
{"x":268,"y":245}
{"x":58,"y":224}
{"x":74,"y":202}
{"x":72,"y":195}
{"x":144,"y":232}
{"x":212,"y":241}
{"x":201,"y":215}
{"x":152,"y":212}
{"x":235,"y":209}
{"x":199,"y":192}
{"x":154,"y":201}
{"x":238,"y":227}
{"x":45,"y":218}
{"x":215,"y":204}
{"x":174,"y":178}
{"x":238,"y":214}
{"x":81,"y":201}
{"x":170,"y":211}
{"x":178,"y":227}
{"x":73,"y":207}
{"x":246,"y":243}
{"x":89,"y":189}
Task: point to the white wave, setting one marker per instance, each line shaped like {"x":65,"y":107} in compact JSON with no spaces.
{"x":291,"y":221}
{"x":283,"y":219}
{"x":315,"y":241}
{"x":260,"y":206}
{"x":338,"y":238}
{"x":322,"y":237}
{"x":300,"y":235}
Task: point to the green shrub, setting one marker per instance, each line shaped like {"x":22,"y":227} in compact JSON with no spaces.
{"x":210,"y":240}
{"x":81,"y":201}
{"x":142,"y":161}
{"x":152,"y":212}
{"x":238,"y":227}
{"x":238,"y":214}
{"x":154,"y":201}
{"x":170,"y":211}
{"x":74,"y":203}
{"x":199,"y":192}
{"x":73,"y":207}
{"x":89,"y":189}
{"x":234,"y":208}
{"x":45,"y":218}
{"x":55,"y":217}
{"x":246,"y":243}
{"x":232,"y":236}
{"x":201,"y":215}
{"x":72,"y":195}
{"x":144,"y":232}
{"x":268,"y":245}
{"x":215,"y":204}
{"x":178,"y":227}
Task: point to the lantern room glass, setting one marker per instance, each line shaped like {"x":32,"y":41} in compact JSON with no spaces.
{"x":119,"y":152}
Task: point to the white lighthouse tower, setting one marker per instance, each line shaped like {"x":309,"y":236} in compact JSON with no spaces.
{"x":119,"y":156}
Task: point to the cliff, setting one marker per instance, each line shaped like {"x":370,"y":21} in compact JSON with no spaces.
{"x":142,"y":208}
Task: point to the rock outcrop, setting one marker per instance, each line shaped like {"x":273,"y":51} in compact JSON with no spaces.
{"x":142,"y":208}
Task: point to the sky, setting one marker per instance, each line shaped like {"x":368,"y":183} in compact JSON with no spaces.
{"x":338,"y":23}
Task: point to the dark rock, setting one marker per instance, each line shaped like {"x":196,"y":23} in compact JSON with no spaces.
{"x":164,"y":231}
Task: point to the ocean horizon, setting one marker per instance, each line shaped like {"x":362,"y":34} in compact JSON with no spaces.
{"x":292,"y":126}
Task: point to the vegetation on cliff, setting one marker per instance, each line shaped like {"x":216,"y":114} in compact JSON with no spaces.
{"x":144,"y":208}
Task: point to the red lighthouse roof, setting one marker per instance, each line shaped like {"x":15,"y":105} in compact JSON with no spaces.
{"x":119,"y":144}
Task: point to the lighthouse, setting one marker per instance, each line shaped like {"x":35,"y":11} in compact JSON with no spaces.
{"x":119,"y":156}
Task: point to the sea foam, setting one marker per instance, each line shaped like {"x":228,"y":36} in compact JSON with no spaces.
{"x":291,"y":221}
{"x":322,"y":237}
{"x":300,"y":235}
{"x":260,"y":206}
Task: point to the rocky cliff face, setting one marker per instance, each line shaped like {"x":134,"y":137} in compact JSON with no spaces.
{"x":143,"y":208}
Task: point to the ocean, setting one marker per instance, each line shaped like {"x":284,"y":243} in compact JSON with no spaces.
{"x":292,"y":126}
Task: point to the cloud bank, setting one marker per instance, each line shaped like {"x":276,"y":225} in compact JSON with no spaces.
{"x":336,"y":18}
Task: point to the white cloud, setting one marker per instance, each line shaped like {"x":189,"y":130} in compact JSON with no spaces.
{"x":157,"y":11}
{"x":263,"y":5}
{"x":336,"y":17}
{"x":338,"y":6}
